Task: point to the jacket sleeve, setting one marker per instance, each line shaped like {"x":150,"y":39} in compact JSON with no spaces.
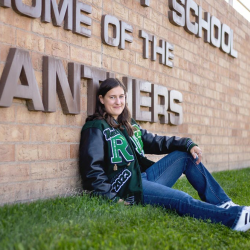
{"x":155,"y":144}
{"x":91,"y":162}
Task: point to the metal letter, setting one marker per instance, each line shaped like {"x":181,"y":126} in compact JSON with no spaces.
{"x":94,"y":76}
{"x":5,"y":3}
{"x":169,"y":55}
{"x":33,"y":11}
{"x":18,"y":65}
{"x":128,"y":82}
{"x":177,"y":13}
{"x":225,"y":38}
{"x":215,"y":32}
{"x":80,"y":18}
{"x":191,"y":27}
{"x":160,"y":50}
{"x":124,"y":35}
{"x":204,"y":24}
{"x":145,"y":3}
{"x":233,"y":52}
{"x":112,"y":41}
{"x":63,"y":11}
{"x":177,"y":117}
{"x":139,"y":100}
{"x":160,"y":109}
{"x":55,"y":80}
{"x":147,"y":38}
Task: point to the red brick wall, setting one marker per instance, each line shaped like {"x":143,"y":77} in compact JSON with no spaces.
{"x":39,"y":151}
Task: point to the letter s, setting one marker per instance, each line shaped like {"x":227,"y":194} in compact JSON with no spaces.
{"x":175,"y":118}
{"x":177,"y":13}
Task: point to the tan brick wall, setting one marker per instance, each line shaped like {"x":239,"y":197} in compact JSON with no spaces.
{"x":39,"y":151}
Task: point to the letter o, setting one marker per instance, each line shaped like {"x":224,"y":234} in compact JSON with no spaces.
{"x":33,"y":11}
{"x":215,"y":33}
{"x":225,"y":38}
{"x":106,"y":21}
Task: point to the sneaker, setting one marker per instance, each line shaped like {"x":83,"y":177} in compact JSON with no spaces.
{"x":228,"y":205}
{"x":243,"y":223}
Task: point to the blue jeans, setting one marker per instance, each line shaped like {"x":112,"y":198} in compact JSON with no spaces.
{"x":157,"y":184}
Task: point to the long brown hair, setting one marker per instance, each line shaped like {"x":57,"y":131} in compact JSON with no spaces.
{"x":100,"y":112}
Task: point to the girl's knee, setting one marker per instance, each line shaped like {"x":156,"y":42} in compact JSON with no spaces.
{"x":181,"y":154}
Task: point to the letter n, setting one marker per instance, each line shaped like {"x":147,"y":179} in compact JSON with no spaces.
{"x":55,"y":80}
{"x":19,"y":66}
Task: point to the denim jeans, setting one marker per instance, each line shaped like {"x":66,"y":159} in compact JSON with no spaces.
{"x":157,"y":184}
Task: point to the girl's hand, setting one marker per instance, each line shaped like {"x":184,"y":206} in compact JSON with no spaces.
{"x":124,"y":202}
{"x":196,"y":152}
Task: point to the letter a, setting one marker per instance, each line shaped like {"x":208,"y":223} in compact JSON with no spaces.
{"x":18,"y":65}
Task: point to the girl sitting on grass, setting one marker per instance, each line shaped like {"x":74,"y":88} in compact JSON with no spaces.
{"x":113,"y":165}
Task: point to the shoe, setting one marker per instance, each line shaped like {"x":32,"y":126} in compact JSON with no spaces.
{"x":228,"y":205}
{"x":243,"y":223}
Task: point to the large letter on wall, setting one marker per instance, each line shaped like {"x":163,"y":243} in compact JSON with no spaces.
{"x":159,"y":50}
{"x":5,"y":3}
{"x":147,"y":38}
{"x":79,"y":18}
{"x":169,"y":55}
{"x":204,"y":24}
{"x":106,"y":21}
{"x":225,"y":38}
{"x":176,"y":118}
{"x":128,"y":82}
{"x":160,"y":109}
{"x":192,"y":7}
{"x":58,"y":12}
{"x":32,"y":11}
{"x":233,"y":52}
{"x":177,"y":13}
{"x":55,"y":80}
{"x":94,"y":76}
{"x":18,"y":65}
{"x":144,"y":101}
{"x":215,"y":32}
{"x":145,"y":3}
{"x":124,"y":36}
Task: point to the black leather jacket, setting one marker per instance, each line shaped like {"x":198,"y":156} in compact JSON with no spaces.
{"x":96,"y":169}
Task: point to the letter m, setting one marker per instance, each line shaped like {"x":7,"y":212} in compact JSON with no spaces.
{"x":63,"y":11}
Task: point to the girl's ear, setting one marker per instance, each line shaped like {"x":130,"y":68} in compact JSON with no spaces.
{"x":101,"y":99}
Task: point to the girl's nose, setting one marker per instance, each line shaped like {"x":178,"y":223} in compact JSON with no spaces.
{"x":117,"y":100}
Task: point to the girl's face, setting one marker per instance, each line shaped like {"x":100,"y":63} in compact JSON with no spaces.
{"x":114,"y":101}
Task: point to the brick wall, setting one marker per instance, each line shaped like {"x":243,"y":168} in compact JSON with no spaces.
{"x":39,"y":151}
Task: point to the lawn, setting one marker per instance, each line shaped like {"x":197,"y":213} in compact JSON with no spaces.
{"x":83,"y":223}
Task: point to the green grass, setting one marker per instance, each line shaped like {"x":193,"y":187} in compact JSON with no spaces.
{"x":84,"y":223}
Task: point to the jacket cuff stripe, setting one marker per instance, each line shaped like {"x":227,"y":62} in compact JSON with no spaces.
{"x":190,"y":144}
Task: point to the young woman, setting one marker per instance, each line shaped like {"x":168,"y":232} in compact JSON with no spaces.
{"x":113,"y":165}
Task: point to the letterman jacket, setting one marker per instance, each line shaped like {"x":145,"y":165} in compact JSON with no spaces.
{"x":111,"y":162}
